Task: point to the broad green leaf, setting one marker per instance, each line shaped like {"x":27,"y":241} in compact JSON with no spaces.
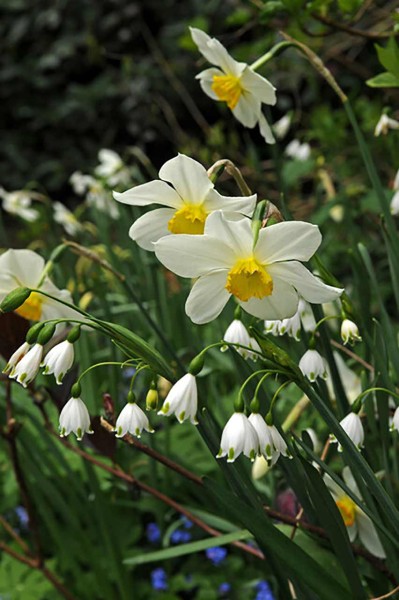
{"x":389,"y":56}
{"x":383,"y":80}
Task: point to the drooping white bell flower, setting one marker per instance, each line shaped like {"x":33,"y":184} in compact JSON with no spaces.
{"x":394,"y":205}
{"x":238,"y":436}
{"x":237,"y":333}
{"x":182,"y":400}
{"x":384,"y":124}
{"x":357,"y":523}
{"x":266,"y":279}
{"x":75,"y":418}
{"x":235,"y":83}
{"x":188,"y":203}
{"x":25,"y":268}
{"x":292,"y":326}
{"x":271,"y":442}
{"x":132,"y":420}
{"x":298,"y":151}
{"x":19,"y":203}
{"x":282,"y":126}
{"x":352,"y":425}
{"x":395,"y":420}
{"x":16,"y":357}
{"x":350,"y":332}
{"x":26,"y":369}
{"x":59,"y":360}
{"x":313,"y":365}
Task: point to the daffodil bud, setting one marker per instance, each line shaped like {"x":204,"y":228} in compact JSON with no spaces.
{"x":15,"y":299}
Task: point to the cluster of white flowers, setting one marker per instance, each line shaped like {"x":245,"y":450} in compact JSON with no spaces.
{"x":251,"y":436}
{"x":292,"y":326}
{"x":298,"y":151}
{"x":19,"y":203}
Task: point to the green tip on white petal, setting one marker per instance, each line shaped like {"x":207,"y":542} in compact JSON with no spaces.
{"x":230,"y":456}
{"x":180,"y":418}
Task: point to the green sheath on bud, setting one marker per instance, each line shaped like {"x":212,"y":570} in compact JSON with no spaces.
{"x":254,"y":406}
{"x":15,"y":299}
{"x":46,"y":334}
{"x":269,"y":419}
{"x":33,"y":332}
{"x":76,"y":390}
{"x":74,"y":334}
{"x":196,"y":365}
{"x":239,"y":405}
{"x":357,"y":405}
{"x":131,"y":397}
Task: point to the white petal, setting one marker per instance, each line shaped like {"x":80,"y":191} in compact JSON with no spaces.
{"x":206,"y":81}
{"x":335,"y":490}
{"x":234,"y":230}
{"x":20,"y":268}
{"x":260,"y":87}
{"x":309,"y":287}
{"x":247,"y":110}
{"x":188,"y":177}
{"x":292,"y":240}
{"x":368,"y":534}
{"x":265,"y":130}
{"x":242,"y":204}
{"x":151,"y":227}
{"x":153,"y":192}
{"x":208,"y":297}
{"x":216,"y":53}
{"x":193,"y":255}
{"x":350,"y":481}
{"x":281,"y":304}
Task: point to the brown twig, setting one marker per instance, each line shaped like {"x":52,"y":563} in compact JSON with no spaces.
{"x":358,"y":359}
{"x":391,"y":593}
{"x":371,"y":35}
{"x":14,"y":535}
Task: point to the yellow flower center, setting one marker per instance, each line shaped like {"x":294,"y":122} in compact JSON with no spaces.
{"x":347,"y":508}
{"x":31,"y":309}
{"x":227,"y":88}
{"x":189,"y":219}
{"x":249,"y":279}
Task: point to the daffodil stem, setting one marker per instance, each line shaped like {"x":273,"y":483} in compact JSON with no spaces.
{"x":226,"y":165}
{"x":271,"y":54}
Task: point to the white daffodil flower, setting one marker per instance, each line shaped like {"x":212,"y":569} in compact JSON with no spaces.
{"x":298,"y":151}
{"x":19,"y":203}
{"x":66,"y":218}
{"x":81,"y":183}
{"x":25,"y":268}
{"x":352,"y":425}
{"x":356,"y":521}
{"x":237,"y":333}
{"x":282,"y":126}
{"x":384,"y":124}
{"x":188,"y":203}
{"x":111,"y":167}
{"x":26,"y":369}
{"x":271,"y":442}
{"x":75,"y":418}
{"x":16,"y":357}
{"x":350,"y":332}
{"x":182,"y":400}
{"x":132,"y":420}
{"x":235,"y":83}
{"x":265,"y":278}
{"x":313,"y":365}
{"x":59,"y":360}
{"x":394,"y":206}
{"x":238,"y":436}
{"x":395,"y":420}
{"x":96,"y":195}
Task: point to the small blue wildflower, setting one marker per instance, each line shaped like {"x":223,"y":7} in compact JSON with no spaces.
{"x":159,"y":580}
{"x":180,"y":536}
{"x":216,"y":555}
{"x":186,"y":523}
{"x":224,"y":588}
{"x":153,"y":533}
{"x":22,"y":516}
{"x":264,"y":591}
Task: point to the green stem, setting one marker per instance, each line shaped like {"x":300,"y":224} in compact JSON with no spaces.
{"x":270,"y":54}
{"x":101,"y":364}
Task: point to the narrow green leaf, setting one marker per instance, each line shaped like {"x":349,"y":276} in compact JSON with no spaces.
{"x":189,"y":548}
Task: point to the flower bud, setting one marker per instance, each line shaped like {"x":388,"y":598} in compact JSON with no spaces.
{"x":151,"y":400}
{"x":33,"y":332}
{"x":350,"y":332}
{"x":74,"y":334}
{"x":15,"y":299}
{"x":196,"y":365}
{"x":45,"y":334}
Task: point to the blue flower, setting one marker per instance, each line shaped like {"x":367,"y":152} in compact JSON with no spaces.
{"x":264,"y":591}
{"x":180,"y":536}
{"x":216,"y":555}
{"x":159,"y":580}
{"x":22,"y":516}
{"x":224,"y":588}
{"x":186,"y":523}
{"x":153,"y":533}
